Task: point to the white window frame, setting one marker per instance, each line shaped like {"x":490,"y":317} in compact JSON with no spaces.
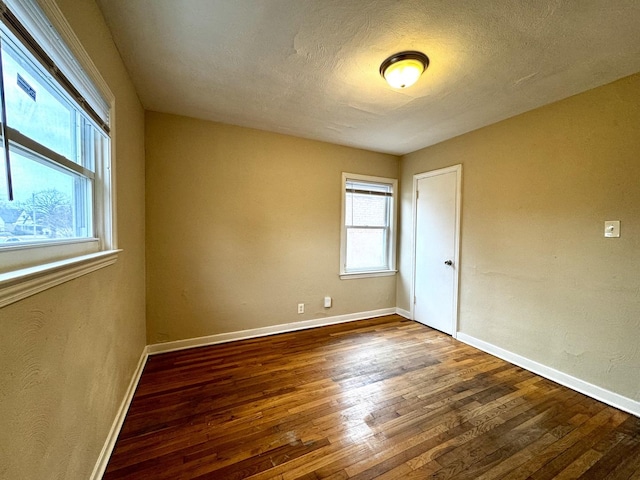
{"x":345,"y":273}
{"x":30,"y":269}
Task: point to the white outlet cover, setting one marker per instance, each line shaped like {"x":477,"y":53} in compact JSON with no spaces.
{"x":612,"y":228}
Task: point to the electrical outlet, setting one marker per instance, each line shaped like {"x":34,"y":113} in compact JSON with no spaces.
{"x":612,"y":228}
{"x":301,"y":308}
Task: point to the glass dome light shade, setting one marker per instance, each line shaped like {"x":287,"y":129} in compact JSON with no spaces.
{"x":404,"y":69}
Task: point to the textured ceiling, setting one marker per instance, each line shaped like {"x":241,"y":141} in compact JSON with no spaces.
{"x":309,"y":68}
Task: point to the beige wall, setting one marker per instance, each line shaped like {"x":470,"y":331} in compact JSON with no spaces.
{"x":537,"y":276}
{"x":68,"y":354}
{"x":242,"y":225}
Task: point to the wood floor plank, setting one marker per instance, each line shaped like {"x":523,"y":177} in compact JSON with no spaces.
{"x":384,"y":398}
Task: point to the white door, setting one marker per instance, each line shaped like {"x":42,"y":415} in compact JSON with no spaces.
{"x":436,"y":234}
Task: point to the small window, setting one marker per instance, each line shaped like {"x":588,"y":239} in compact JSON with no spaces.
{"x":368,"y":226}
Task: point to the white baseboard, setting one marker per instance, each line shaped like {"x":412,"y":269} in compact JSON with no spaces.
{"x":606,"y":396}
{"x":593,"y":391}
{"x":107,"y":449}
{"x":404,"y":313}
{"x":109,"y":444}
{"x":264,"y":331}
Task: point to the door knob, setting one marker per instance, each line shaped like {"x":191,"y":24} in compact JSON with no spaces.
{"x":448,"y":262}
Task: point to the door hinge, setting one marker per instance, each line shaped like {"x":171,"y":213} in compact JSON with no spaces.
{"x":414,"y":299}
{"x":417,"y":194}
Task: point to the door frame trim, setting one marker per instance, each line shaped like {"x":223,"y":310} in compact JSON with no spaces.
{"x":414,"y":213}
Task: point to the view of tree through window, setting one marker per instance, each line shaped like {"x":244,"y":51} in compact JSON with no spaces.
{"x":53,"y":146}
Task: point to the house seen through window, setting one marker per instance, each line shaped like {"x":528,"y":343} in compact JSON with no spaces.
{"x":52,"y":150}
{"x":368,"y":228}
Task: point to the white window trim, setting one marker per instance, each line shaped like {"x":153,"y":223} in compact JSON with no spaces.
{"x":373,"y":273}
{"x":105,"y":185}
{"x":68,"y":55}
{"x":24,"y":282}
{"x":344,"y":275}
{"x":20,"y":284}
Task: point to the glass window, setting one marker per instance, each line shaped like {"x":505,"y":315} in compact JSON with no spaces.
{"x":56,"y":199}
{"x":56,"y":205}
{"x":368,"y":227}
{"x":52,"y":202}
{"x":33,"y":105}
{"x":54,"y":148}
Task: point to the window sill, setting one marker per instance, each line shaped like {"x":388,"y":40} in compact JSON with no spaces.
{"x":20,"y":284}
{"x":378,"y":273}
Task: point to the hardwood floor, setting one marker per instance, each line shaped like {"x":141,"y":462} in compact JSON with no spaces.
{"x":384,"y":398}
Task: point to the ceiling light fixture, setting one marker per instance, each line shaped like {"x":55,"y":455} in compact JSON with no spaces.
{"x":403,"y":69}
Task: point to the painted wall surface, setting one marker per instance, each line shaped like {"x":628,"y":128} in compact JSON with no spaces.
{"x":242,"y":225}
{"x":68,"y":354}
{"x":538,"y":278}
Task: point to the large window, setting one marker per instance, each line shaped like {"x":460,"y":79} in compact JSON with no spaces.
{"x":368,"y":226}
{"x":53,"y":148}
{"x":55,"y":189}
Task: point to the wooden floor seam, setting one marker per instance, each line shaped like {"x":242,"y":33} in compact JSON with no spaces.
{"x":385,"y":398}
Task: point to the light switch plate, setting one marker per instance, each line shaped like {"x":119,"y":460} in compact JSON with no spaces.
{"x":612,"y":228}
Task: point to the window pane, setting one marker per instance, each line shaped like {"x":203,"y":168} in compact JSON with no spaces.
{"x":368,"y":186}
{"x":366,"y":210}
{"x":8,"y":210}
{"x":91,"y":144}
{"x":366,"y":248}
{"x":50,"y":203}
{"x":33,"y":106}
